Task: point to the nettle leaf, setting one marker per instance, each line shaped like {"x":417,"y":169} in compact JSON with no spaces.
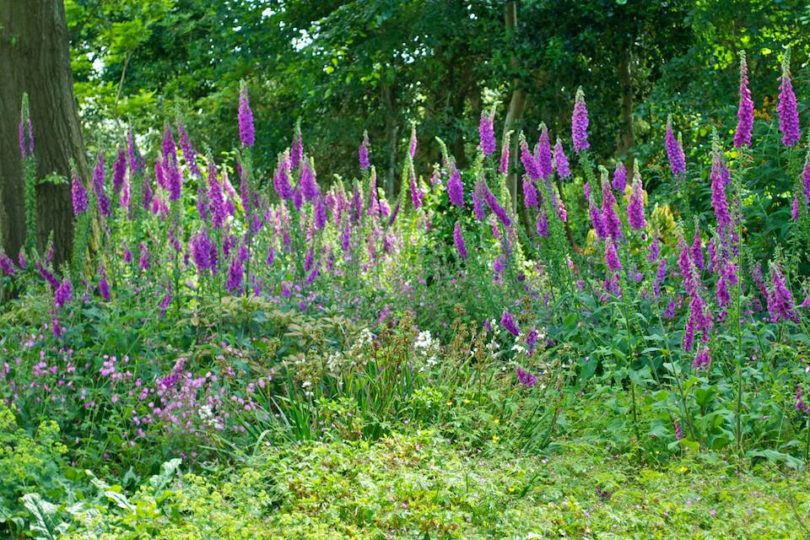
{"x":44,"y":514}
{"x":775,"y":456}
{"x":167,"y":473}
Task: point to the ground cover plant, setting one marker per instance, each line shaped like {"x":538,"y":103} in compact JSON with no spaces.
{"x":228,"y":354}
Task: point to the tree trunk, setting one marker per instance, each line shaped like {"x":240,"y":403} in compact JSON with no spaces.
{"x":35,"y":58}
{"x":391,"y":132}
{"x":517,"y":105}
{"x":625,"y":80}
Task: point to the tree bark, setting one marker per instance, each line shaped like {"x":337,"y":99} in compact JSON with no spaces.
{"x":625,"y":79}
{"x":35,"y":58}
{"x":517,"y":104}
{"x":391,"y":132}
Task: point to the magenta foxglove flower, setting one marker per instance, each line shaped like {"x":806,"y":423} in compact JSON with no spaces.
{"x":313,"y":275}
{"x":455,"y":188}
{"x":144,"y":262}
{"x":165,"y":302}
{"x":794,"y":209}
{"x":125,"y":198}
{"x":579,"y":123}
{"x":7,"y":265}
{"x":494,"y":205}
{"x":309,"y":259}
{"x":98,"y":187}
{"x":677,"y":159}
{"x":745,"y":111}
{"x":531,"y":340}
{"x":46,"y":275}
{"x":610,"y":220}
{"x":678,"y":430}
{"x":169,"y":146}
{"x":503,"y":167}
{"x":509,"y":324}
{"x":541,"y":225}
{"x":247,"y":133}
{"x":297,"y":147}
{"x":319,"y":213}
{"x":562,"y":213}
{"x":635,"y":206}
{"x":702,"y":359}
{"x":612,"y":256}
{"x":236,"y":272}
{"x":720,"y":177}
{"x":597,"y":222}
{"x":174,"y":180}
{"x":56,"y":328}
{"x":78,"y":195}
{"x":281,"y":180}
{"x":458,"y":240}
{"x":696,"y":251}
{"x":529,"y":193}
{"x":620,"y":177}
{"x":479,"y":209}
{"x":416,"y":191}
{"x":654,"y":250}
{"x":525,"y":378}
{"x":373,"y":207}
{"x":25,"y":130}
{"x":119,"y":171}
{"x":362,"y":153}
{"x":529,"y":161}
{"x":660,"y":276}
{"x":561,"y":161}
{"x":412,"y":143}
{"x":801,"y":406}
{"x":779,"y":298}
{"x":63,"y":293}
{"x":543,"y":154}
{"x":699,"y":320}
{"x":103,"y":284}
{"x":486,"y":132}
{"x":136,"y":164}
{"x":189,"y":154}
{"x":309,"y":185}
{"x":216,"y":199}
{"x":787,"y":107}
{"x":203,"y":252}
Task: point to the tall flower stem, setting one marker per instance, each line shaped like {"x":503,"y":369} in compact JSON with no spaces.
{"x":632,"y":351}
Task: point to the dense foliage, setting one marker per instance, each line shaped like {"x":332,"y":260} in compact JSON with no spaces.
{"x":343,"y":67}
{"x":238,"y":354}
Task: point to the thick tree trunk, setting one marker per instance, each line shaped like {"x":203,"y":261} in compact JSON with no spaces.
{"x":35,"y":58}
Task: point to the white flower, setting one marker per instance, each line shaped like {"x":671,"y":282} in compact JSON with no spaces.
{"x":424,"y":342}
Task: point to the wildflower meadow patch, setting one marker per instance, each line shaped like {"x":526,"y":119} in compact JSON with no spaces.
{"x":238,"y":353}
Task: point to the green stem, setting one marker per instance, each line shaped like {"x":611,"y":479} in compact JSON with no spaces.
{"x":807,"y":443}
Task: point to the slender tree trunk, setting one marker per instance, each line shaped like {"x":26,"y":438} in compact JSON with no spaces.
{"x":391,"y":133}
{"x":625,"y":80}
{"x":35,"y":58}
{"x":517,"y":104}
